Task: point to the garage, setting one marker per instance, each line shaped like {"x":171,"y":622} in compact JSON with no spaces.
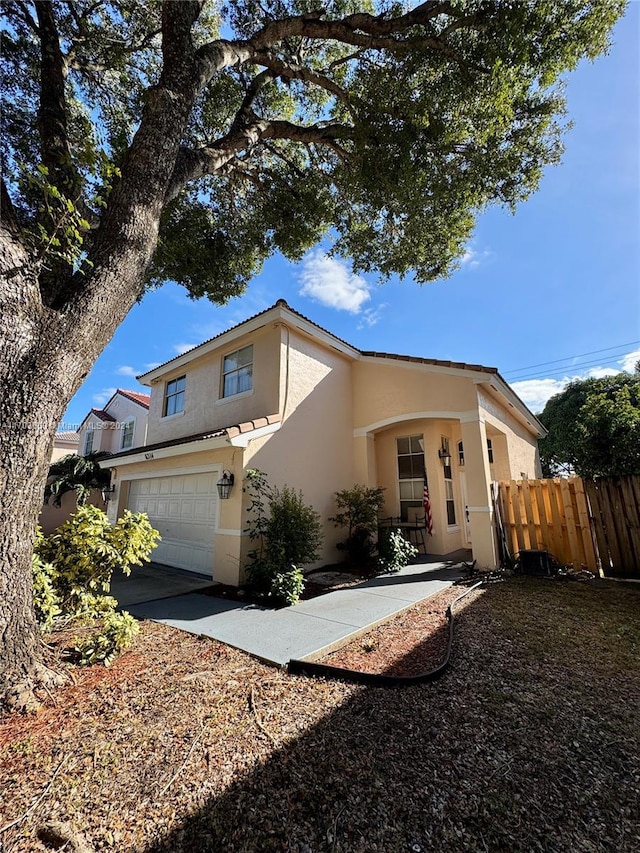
{"x":183,"y":509}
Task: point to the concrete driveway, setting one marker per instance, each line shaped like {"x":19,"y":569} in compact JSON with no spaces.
{"x":152,"y":581}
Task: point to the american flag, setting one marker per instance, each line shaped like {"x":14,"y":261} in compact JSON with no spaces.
{"x":427,"y":507}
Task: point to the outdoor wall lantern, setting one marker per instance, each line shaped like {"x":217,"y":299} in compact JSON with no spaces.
{"x":107,"y":492}
{"x":225,"y":484}
{"x":445,"y":455}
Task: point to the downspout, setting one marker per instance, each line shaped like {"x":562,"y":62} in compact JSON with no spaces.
{"x":286,"y":387}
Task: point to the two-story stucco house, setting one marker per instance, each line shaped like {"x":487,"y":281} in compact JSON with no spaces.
{"x":120,"y":425}
{"x":283,"y":395}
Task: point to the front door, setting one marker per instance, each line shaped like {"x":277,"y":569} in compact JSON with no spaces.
{"x":465,"y":507}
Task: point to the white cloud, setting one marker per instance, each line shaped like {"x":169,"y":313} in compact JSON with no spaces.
{"x":628,"y":362}
{"x":372,"y":316}
{"x":328,"y":281}
{"x":472,"y":257}
{"x":103,"y":396}
{"x":182,"y":348}
{"x":127,"y":370}
{"x":150,"y":365}
{"x":536,"y":392}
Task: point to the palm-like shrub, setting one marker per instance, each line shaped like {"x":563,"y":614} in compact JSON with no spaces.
{"x":79,"y":474}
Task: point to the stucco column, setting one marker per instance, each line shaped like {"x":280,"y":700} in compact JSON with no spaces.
{"x":476,"y":458}
{"x":364,"y":460}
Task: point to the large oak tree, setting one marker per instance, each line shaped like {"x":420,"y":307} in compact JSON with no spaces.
{"x":188,"y":141}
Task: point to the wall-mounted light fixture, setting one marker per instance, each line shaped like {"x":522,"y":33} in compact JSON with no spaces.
{"x":225,"y":484}
{"x":445,"y":454}
{"x":107,"y":492}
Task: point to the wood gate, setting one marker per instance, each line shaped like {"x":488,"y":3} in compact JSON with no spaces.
{"x":549,"y":515}
{"x":615,"y":511}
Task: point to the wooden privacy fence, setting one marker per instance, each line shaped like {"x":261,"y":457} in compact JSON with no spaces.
{"x":549,"y":515}
{"x":615,"y":512}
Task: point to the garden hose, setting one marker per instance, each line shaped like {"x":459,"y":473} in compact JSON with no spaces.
{"x":323,"y":670}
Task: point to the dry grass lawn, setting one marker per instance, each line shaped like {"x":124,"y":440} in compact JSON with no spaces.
{"x":530,"y":742}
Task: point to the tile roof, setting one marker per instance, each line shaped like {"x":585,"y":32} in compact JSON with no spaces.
{"x":459,"y":365}
{"x":229,"y":431}
{"x":136,"y":396}
{"x":102,"y":415}
{"x":67,"y":436}
{"x":282,"y":303}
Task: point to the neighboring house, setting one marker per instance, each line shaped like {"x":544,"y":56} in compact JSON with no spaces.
{"x":283,"y":395}
{"x":64,"y":443}
{"x":120,"y":425}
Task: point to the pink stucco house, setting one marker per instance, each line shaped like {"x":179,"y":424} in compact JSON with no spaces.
{"x":120,"y":425}
{"x":279,"y":393}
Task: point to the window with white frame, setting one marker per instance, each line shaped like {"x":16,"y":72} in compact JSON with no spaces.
{"x":174,"y":396}
{"x":88,"y":442}
{"x":128,"y":428}
{"x":448,"y":486}
{"x":237,"y":372}
{"x":411,"y":471}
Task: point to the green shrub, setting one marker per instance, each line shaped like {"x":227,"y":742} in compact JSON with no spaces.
{"x":359,"y":510}
{"x":72,"y":572}
{"x":394,"y":551}
{"x":288,"y":535}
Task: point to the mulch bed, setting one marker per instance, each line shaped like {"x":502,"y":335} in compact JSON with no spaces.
{"x":412,"y":643}
{"x":529,"y":742}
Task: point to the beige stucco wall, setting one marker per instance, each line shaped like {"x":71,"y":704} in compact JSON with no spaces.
{"x":518,"y":445}
{"x":63,"y":448}
{"x":312,"y":451}
{"x":53,"y":516}
{"x":204,"y":407}
{"x":387,"y":389}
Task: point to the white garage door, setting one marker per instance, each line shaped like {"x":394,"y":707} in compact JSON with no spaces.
{"x":183,"y":510}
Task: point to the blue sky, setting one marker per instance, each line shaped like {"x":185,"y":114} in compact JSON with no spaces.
{"x":549,"y":294}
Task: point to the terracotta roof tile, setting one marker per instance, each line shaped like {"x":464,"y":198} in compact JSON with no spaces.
{"x":102,"y":415}
{"x":459,"y":365}
{"x":136,"y":396}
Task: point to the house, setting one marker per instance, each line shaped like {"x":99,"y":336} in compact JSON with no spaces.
{"x":64,"y":443}
{"x":279,"y":393}
{"x":120,"y":425}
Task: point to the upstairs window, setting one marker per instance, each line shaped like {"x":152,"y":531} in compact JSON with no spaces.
{"x":174,"y":396}
{"x":127,"y":433}
{"x":88,"y":442}
{"x":237,"y":372}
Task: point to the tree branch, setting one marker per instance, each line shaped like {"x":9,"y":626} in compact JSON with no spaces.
{"x":52,"y":111}
{"x":292,"y":71}
{"x":192,"y":164}
{"x":359,"y":30}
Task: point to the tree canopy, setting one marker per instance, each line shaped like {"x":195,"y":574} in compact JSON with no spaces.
{"x":594,"y":428}
{"x":389,"y":128}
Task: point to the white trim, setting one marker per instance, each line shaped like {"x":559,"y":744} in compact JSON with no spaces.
{"x":171,"y":472}
{"x":480,"y":509}
{"x":453,"y":528}
{"x":244,"y":438}
{"x":171,"y":417}
{"x":229,"y":531}
{"x":145,"y":455}
{"x":463,"y":417}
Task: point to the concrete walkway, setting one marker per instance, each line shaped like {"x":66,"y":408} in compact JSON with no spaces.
{"x":309,"y":629}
